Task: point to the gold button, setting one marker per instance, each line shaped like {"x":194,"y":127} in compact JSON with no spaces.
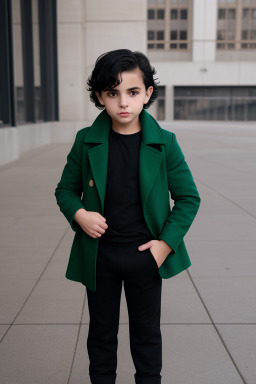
{"x":91,"y":183}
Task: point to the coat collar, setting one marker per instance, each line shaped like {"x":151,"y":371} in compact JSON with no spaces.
{"x":99,"y":130}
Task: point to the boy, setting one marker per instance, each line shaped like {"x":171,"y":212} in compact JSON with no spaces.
{"x":125,"y":164}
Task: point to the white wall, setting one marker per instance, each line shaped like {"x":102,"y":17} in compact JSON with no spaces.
{"x":204,"y":26}
{"x":71,"y":59}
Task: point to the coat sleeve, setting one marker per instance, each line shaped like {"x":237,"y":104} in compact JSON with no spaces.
{"x":184,"y":192}
{"x":69,"y":189}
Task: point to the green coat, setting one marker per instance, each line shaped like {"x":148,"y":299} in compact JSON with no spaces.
{"x":162,"y":168}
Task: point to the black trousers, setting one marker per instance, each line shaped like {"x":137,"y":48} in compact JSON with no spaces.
{"x":117,"y":262}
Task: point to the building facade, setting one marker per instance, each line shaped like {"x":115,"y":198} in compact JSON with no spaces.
{"x":204,"y":52}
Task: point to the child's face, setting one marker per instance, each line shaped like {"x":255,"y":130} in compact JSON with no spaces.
{"x":125,"y":102}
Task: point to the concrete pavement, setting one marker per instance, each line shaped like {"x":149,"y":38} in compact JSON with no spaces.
{"x":208,"y":311}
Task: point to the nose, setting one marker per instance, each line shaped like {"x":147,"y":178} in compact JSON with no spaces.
{"x":123,"y":101}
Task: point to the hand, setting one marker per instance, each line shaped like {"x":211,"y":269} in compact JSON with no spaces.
{"x":159,"y":249}
{"x":91,"y":222}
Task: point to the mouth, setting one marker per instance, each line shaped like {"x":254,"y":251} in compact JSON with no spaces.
{"x":124,"y":114}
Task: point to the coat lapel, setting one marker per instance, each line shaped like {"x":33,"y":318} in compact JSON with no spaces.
{"x":149,"y":160}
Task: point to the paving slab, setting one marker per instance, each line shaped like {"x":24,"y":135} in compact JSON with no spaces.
{"x":229,"y":299}
{"x":57,"y":267}
{"x":222,"y":259}
{"x":241,"y":340}
{"x":3,"y":329}
{"x":23,"y":262}
{"x":37,"y":354}
{"x":53,"y":302}
{"x":223,"y":227}
{"x":13,"y":294}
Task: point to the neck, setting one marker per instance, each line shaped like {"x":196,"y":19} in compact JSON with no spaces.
{"x":129,"y":128}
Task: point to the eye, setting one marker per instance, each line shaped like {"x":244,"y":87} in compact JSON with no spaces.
{"x":112,"y":94}
{"x":134,"y":93}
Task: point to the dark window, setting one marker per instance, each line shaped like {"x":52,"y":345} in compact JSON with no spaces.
{"x":221,"y":35}
{"x":160,"y":14}
{"x":183,"y":35}
{"x":183,"y":14}
{"x":244,"y":35}
{"x":231,"y":14}
{"x":222,"y":13}
{"x":151,"y":35}
{"x":151,"y":14}
{"x":246,"y":12}
{"x":174,"y":14}
{"x":161,"y":91}
{"x":160,"y":35}
{"x":173,"y":35}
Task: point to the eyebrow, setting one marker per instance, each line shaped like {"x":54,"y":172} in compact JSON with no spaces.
{"x":116,"y":90}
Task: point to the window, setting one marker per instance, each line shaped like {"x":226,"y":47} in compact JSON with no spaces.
{"x":160,"y":35}
{"x":215,"y":103}
{"x":183,"y":14}
{"x":174,"y":14}
{"x":230,"y":28}
{"x":183,"y":35}
{"x":160,"y":14}
{"x":151,"y":35}
{"x":222,"y":14}
{"x":248,"y":28}
{"x":151,"y":14}
{"x":231,"y":14}
{"x":174,"y":35}
{"x":161,"y":103}
{"x":156,"y":36}
{"x":173,"y":17}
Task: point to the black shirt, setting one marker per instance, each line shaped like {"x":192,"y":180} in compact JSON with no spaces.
{"x":122,"y":206}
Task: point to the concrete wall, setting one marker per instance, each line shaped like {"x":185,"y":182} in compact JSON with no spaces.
{"x":16,"y":140}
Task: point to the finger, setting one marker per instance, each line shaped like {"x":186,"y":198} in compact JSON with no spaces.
{"x":100,"y":230}
{"x":101,"y":217}
{"x":142,"y":247}
{"x":104,"y":225}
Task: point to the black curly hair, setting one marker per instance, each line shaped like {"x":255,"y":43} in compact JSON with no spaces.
{"x":110,"y":64}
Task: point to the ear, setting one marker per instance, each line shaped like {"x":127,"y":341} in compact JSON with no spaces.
{"x":149,"y":92}
{"x":99,"y":97}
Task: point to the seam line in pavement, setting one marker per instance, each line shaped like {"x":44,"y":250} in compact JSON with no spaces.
{"x":36,"y":283}
{"x":77,"y":339}
{"x":216,"y":329}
